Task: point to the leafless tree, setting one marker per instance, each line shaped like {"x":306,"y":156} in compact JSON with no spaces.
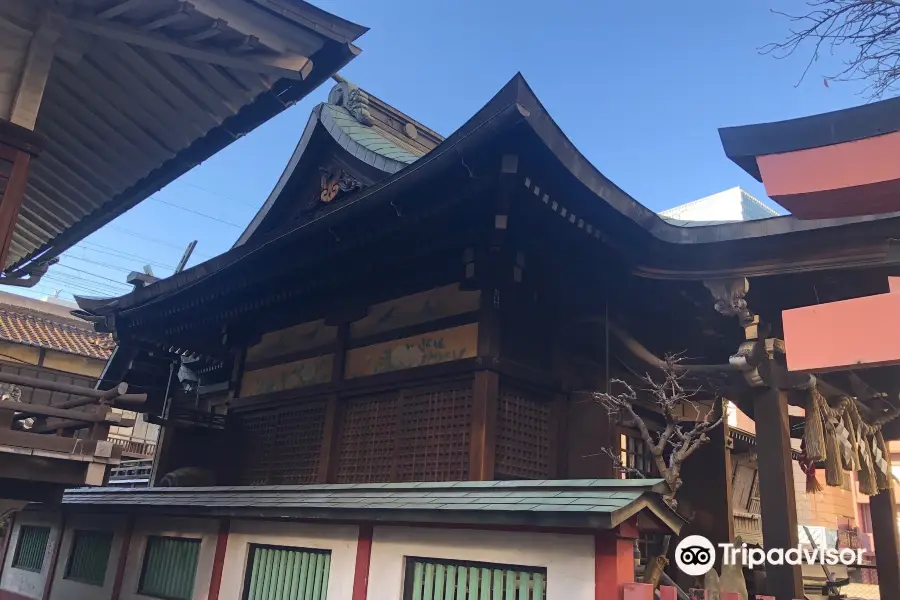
{"x":679,"y":438}
{"x":869,"y":29}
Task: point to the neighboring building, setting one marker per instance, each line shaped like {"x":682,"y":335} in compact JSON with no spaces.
{"x":41,"y":339}
{"x":731,"y":205}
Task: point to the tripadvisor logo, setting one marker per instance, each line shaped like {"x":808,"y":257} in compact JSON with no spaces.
{"x":695,"y":556}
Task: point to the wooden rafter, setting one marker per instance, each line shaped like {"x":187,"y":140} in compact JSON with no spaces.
{"x":291,"y":66}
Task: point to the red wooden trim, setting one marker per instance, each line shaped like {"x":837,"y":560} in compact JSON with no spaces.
{"x":7,"y":595}
{"x":215,"y":580}
{"x":613,"y":566}
{"x":54,"y":558}
{"x":363,"y":558}
{"x":123,"y":559}
{"x":12,"y":200}
{"x":7,"y":538}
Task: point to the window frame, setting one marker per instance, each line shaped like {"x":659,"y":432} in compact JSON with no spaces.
{"x":73,"y":545}
{"x":145,"y":560}
{"x":14,"y":564}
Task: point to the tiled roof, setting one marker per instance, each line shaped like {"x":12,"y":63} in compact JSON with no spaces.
{"x":23,"y":326}
{"x":593,"y":503}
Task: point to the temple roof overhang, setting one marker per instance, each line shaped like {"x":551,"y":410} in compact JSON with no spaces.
{"x":589,"y":201}
{"x":138,"y":93}
{"x":835,"y":164}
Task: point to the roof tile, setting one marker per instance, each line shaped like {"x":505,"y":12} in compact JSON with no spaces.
{"x":43,"y":330}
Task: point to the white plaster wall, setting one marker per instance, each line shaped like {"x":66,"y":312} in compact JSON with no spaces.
{"x":66,"y":589}
{"x":340,"y":539}
{"x":20,"y":581}
{"x":569,"y":559}
{"x":206,"y":530}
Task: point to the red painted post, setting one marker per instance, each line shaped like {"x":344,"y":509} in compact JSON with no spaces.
{"x":363,"y":559}
{"x":667,"y":592}
{"x":730,"y":596}
{"x":613,"y":565}
{"x":637,"y":591}
{"x":215,"y":580}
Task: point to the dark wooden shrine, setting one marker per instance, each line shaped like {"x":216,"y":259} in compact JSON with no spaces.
{"x":411,"y":308}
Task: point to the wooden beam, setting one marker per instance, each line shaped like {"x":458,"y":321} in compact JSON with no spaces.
{"x":66,"y":388}
{"x":121,"y":8}
{"x":290,"y":66}
{"x":483,"y":440}
{"x":50,"y":411}
{"x":34,"y":76}
{"x":75,"y":424}
{"x":11,"y":200}
{"x":887,"y":549}
{"x":778,"y":502}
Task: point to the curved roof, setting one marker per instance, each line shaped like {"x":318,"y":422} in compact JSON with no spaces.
{"x":616,"y":215}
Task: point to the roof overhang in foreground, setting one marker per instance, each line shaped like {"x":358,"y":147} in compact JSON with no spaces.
{"x":598,"y":504}
{"x":835,"y":164}
{"x":141,"y":92}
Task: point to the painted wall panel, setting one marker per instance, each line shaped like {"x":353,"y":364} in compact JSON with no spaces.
{"x":292,"y":339}
{"x":569,"y":559}
{"x":417,"y":308}
{"x":340,"y":539}
{"x":288,"y":376}
{"x":415,"y":351}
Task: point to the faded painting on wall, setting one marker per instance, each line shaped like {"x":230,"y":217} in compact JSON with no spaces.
{"x":292,"y":339}
{"x":417,"y":308}
{"x":415,"y":351}
{"x":302,"y":373}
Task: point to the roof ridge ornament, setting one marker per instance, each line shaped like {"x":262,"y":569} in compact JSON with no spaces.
{"x":353,"y":98}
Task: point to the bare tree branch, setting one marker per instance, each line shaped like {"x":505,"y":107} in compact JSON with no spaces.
{"x":681,"y":435}
{"x":871,"y":28}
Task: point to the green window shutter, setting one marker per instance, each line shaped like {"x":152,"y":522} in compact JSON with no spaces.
{"x":429,"y":579}
{"x":285,"y":573}
{"x":31,"y":548}
{"x":170,"y":565}
{"x":89,"y":557}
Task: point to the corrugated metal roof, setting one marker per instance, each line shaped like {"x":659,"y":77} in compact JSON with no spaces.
{"x":154,"y":89}
{"x":587,"y":502}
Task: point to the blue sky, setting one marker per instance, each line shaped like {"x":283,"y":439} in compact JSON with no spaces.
{"x":639,"y":87}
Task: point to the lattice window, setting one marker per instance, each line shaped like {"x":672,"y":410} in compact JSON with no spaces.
{"x":435,"y":579}
{"x":282,"y":445}
{"x":89,"y":557}
{"x":286,"y":573}
{"x":635,"y":455}
{"x":368,"y":439}
{"x":434,"y":438}
{"x":170,"y":567}
{"x":31,"y":548}
{"x":523,"y":436}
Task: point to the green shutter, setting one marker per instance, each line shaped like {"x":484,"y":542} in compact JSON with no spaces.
{"x":89,"y":557}
{"x":284,"y":573}
{"x":170,"y":565}
{"x":428,"y":579}
{"x":31,"y":548}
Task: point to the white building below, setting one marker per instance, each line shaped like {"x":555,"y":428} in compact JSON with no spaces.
{"x":731,"y":205}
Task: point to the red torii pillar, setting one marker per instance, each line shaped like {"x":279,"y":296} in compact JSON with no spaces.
{"x":861,"y":332}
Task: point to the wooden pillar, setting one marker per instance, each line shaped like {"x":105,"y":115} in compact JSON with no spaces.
{"x":887,"y":549}
{"x":18,"y":146}
{"x":54,"y":559}
{"x":483,"y":440}
{"x":122,"y":564}
{"x":613,"y":564}
{"x":776,"y":491}
{"x":363,"y":559}
{"x":707,"y":487}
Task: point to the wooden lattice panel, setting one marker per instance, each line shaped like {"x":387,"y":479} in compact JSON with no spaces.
{"x":523,"y":435}
{"x":434,"y":438}
{"x":368,"y":439}
{"x":282,"y":445}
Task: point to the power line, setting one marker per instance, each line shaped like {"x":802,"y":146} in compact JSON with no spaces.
{"x":108,"y":250}
{"x":198,"y":213}
{"x":152,"y":239}
{"x":122,"y":283}
{"x":101,"y":264}
{"x":94,"y":286}
{"x":215,"y":193}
